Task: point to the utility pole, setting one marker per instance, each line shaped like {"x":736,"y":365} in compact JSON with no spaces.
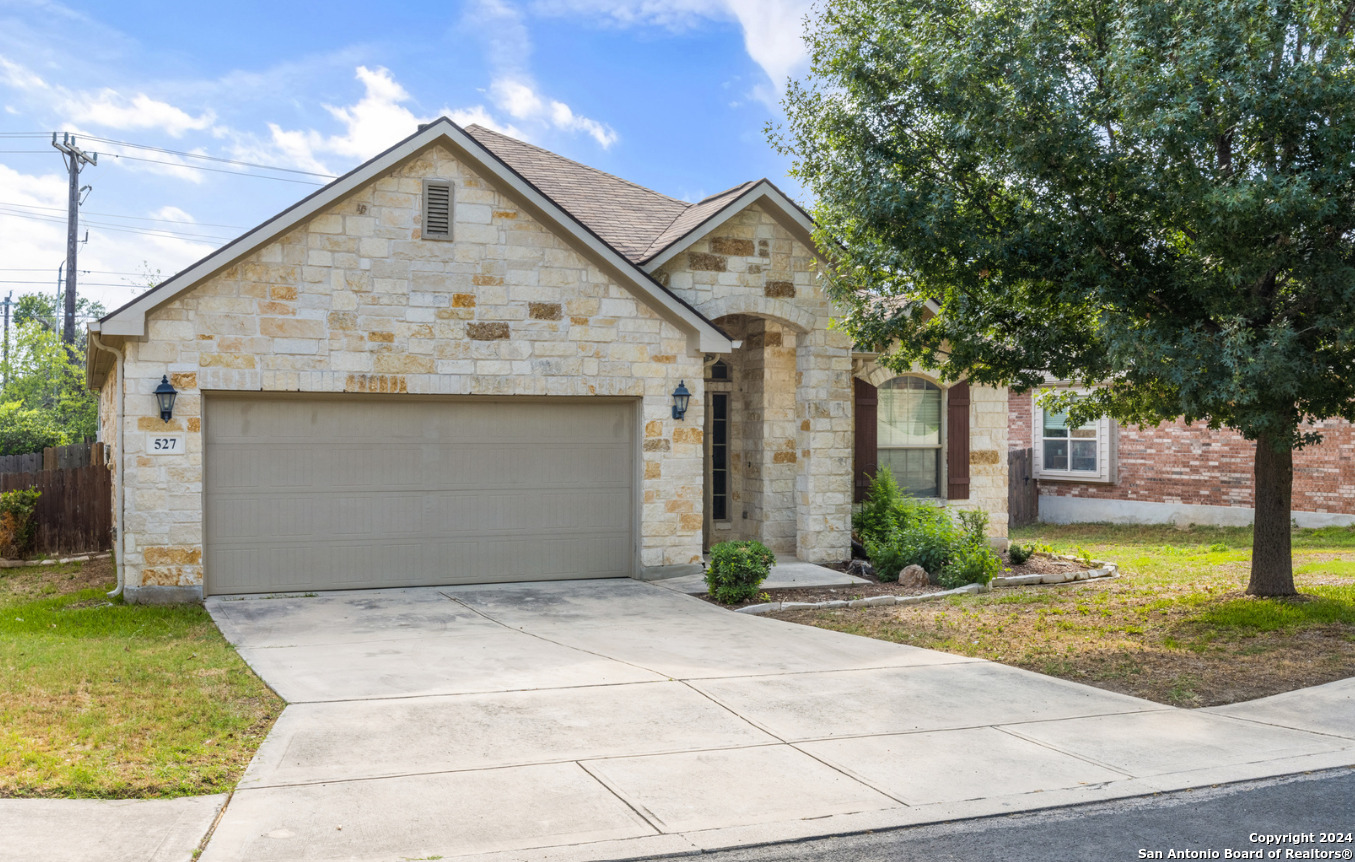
{"x":8,"y":300}
{"x":75,"y":159}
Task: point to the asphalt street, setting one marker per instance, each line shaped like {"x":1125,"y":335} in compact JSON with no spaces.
{"x":1202,"y":823}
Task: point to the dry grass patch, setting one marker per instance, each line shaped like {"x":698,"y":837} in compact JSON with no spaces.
{"x":1175,"y":628}
{"x":103,"y":699}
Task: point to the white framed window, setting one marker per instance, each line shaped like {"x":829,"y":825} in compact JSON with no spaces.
{"x":1079,"y":453}
{"x":910,"y":434}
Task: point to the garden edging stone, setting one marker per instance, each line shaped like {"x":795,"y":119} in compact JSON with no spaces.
{"x":1103,"y":570}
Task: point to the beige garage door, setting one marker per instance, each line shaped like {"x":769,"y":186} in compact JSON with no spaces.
{"x":354,"y":492}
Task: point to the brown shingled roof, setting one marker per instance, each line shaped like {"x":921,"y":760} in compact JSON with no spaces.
{"x":636,"y":221}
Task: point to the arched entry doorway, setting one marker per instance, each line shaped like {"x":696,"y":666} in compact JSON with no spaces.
{"x":753,"y":435}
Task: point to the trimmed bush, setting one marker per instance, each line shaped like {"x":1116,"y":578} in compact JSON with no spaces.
{"x":1020,"y":553}
{"x":736,"y":570}
{"x":17,"y":525}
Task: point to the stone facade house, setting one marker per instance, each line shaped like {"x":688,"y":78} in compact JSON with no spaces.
{"x":1172,"y":473}
{"x":461,"y":363}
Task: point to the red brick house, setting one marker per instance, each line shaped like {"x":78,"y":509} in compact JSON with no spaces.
{"x":1172,"y":473}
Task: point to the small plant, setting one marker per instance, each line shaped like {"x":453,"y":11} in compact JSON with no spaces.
{"x":971,"y":564}
{"x":1219,"y":546}
{"x":1020,"y":553}
{"x":974,"y":525}
{"x":736,"y":570}
{"x":17,"y":525}
{"x":1083,"y":556}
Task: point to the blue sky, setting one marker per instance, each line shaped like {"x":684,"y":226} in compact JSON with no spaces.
{"x":673,"y":94}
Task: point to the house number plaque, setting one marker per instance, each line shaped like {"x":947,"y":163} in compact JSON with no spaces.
{"x":166,"y":444}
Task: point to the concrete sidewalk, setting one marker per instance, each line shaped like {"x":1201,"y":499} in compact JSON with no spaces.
{"x":109,"y":830}
{"x":616,"y":719}
{"x":787,"y":572}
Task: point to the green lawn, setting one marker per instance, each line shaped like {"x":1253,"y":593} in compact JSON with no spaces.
{"x":1176,"y":627}
{"x":101,"y":699}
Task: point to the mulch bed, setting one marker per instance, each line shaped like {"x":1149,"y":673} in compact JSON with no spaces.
{"x":848,"y":592}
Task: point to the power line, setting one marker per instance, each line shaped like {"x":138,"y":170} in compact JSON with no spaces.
{"x":87,"y":283}
{"x":136,"y":218}
{"x":211,"y":158}
{"x":147,"y":231}
{"x":82,"y":272}
{"x":214,"y":170}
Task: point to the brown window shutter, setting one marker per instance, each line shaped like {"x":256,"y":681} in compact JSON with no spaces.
{"x":957,"y":442}
{"x":863,"y":461}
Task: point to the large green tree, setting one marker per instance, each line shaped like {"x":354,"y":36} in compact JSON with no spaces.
{"x":44,"y":400}
{"x":1155,"y":199}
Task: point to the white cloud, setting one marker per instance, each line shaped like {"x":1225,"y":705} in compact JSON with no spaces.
{"x":112,"y":110}
{"x":522,"y":102}
{"x":772,"y":29}
{"x":107,"y":107}
{"x":512,"y":88}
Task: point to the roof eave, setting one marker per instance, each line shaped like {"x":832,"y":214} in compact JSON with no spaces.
{"x":781,"y":207}
{"x":704,"y":336}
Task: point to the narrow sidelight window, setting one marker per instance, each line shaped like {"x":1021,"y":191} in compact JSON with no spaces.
{"x":437,"y":209}
{"x":719,"y":456}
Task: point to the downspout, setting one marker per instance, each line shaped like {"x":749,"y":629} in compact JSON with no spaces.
{"x":121,"y":454}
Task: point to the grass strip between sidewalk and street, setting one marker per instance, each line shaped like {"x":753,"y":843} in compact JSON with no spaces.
{"x":1176,"y":627}
{"x":104,"y":699}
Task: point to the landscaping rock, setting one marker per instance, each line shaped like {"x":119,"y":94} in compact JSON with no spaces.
{"x":841,"y":603}
{"x":800,"y":606}
{"x":914,"y":576}
{"x":1055,"y":578}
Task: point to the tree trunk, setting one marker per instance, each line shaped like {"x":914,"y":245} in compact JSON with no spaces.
{"x":1272,"y":563}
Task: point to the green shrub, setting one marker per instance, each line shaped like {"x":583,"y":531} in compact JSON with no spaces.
{"x":971,"y":563}
{"x":736,"y":570}
{"x":17,"y":525}
{"x":887,"y":556}
{"x":1020,"y":553}
{"x":879,"y":514}
{"x":23,"y":430}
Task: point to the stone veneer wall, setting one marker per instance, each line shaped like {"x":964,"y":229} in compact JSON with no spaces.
{"x":354,"y":301}
{"x":987,"y":445}
{"x":751,"y":265}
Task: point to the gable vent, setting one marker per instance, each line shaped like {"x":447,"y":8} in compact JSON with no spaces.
{"x":437,"y":209}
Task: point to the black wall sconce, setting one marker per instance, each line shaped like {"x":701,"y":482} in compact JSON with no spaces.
{"x":680,"y":398}
{"x":165,"y":394}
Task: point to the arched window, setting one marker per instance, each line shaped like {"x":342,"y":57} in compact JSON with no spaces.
{"x":909,"y":434}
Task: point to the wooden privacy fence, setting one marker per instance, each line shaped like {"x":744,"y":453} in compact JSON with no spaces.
{"x":75,"y":511}
{"x":1023,"y":496}
{"x":56,"y":458}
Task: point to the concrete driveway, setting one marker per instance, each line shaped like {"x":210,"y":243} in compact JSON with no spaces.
{"x":617,"y":719}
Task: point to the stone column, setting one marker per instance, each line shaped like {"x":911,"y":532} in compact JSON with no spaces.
{"x":824,"y":437}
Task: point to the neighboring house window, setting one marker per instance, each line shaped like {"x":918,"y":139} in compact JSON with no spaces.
{"x":1073,"y":452}
{"x":909,"y":434}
